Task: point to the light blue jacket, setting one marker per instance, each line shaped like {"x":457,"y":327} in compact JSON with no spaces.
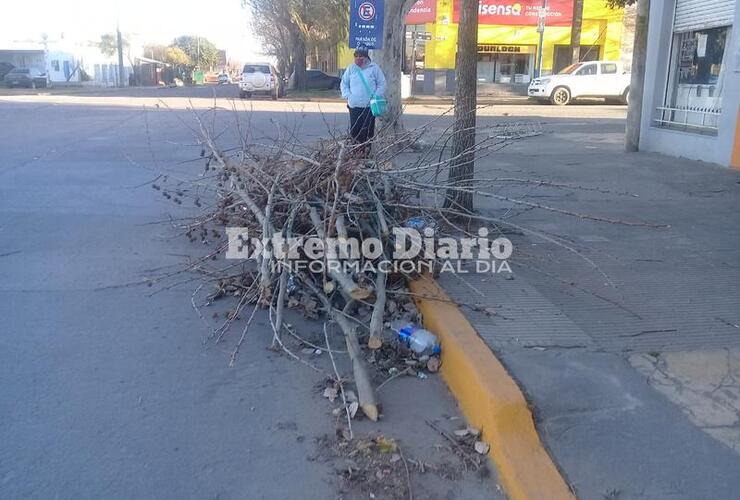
{"x":353,"y":89}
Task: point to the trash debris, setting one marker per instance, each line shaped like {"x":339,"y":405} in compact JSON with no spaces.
{"x":433,"y":364}
{"x":482,"y":447}
{"x":292,"y":285}
{"x":350,"y":395}
{"x":421,"y":223}
{"x":386,"y":445}
{"x":418,"y":339}
{"x":331,"y":393}
{"x":353,"y":407}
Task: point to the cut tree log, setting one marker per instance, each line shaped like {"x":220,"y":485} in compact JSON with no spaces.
{"x":376,"y":320}
{"x":354,"y":290}
{"x":365,"y":391}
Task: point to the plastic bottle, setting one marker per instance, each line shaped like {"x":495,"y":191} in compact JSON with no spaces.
{"x":419,"y":340}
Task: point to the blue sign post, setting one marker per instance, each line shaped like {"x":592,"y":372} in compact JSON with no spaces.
{"x":366,"y":23}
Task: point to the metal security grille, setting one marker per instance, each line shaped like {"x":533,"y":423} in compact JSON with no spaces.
{"x":692,"y":15}
{"x":685,"y":118}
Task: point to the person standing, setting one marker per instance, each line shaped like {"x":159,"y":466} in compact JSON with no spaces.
{"x":361,"y":81}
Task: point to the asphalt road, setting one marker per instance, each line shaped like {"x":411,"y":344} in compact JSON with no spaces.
{"x":107,"y":388}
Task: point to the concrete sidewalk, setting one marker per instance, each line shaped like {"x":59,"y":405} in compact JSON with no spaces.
{"x":590,"y":301}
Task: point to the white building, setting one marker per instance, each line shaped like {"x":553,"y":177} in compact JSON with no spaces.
{"x":692,"y":81}
{"x":66,"y":61}
{"x":60,"y":65}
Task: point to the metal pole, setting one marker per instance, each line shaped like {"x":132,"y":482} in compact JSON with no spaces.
{"x":120,"y":55}
{"x":541,"y":29}
{"x":47,"y":63}
{"x":413,"y":63}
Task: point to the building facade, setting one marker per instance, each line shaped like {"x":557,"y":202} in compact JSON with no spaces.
{"x":508,"y":41}
{"x":59,"y":65}
{"x":692,"y":81}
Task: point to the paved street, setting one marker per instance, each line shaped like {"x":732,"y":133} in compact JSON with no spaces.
{"x":109,"y":391}
{"x":107,"y":388}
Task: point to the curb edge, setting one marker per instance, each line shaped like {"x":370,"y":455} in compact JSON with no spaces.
{"x":490,"y":399}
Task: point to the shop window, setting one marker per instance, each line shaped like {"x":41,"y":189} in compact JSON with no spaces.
{"x":504,"y":68}
{"x":55,"y":65}
{"x":694,"y":92}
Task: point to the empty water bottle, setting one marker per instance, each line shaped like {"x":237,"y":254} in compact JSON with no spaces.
{"x":419,"y":340}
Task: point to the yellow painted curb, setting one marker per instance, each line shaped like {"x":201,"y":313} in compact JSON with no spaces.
{"x":490,"y":399}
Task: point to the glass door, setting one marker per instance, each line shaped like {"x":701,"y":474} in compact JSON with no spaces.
{"x":506,"y":68}
{"x":486,"y":68}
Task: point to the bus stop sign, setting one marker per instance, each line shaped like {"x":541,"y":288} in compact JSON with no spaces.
{"x":366,"y":23}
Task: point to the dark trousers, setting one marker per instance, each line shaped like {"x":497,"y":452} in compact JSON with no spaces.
{"x":361,"y":125}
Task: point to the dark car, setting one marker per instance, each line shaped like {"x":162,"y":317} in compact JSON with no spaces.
{"x":25,"y":77}
{"x":318,"y":80}
{"x":5,"y":68}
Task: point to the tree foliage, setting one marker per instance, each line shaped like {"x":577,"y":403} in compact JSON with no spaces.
{"x":292,"y":29}
{"x":108,"y":44}
{"x":201,"y":52}
{"x":620,"y":4}
{"x":169,"y":54}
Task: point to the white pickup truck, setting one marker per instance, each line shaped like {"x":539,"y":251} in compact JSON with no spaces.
{"x":587,"y":79}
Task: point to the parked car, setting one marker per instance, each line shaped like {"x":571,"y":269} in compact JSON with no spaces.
{"x":259,"y":77}
{"x":587,"y":79}
{"x":318,"y":80}
{"x":223,"y":79}
{"x":26,"y":77}
{"x":5,"y":68}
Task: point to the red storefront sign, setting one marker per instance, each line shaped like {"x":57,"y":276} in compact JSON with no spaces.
{"x":520,"y":12}
{"x":423,"y":11}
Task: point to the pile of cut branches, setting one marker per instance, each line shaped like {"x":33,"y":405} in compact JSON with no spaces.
{"x":285,"y":192}
{"x":281,"y":198}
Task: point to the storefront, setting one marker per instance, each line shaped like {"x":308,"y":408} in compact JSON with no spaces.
{"x":508,"y":40}
{"x":692,"y":89}
{"x":505,"y":63}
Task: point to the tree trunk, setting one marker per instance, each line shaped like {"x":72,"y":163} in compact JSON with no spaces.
{"x":639,"y":54}
{"x":299,"y":61}
{"x":462,"y":167}
{"x":575,"y":32}
{"x":390,"y":58}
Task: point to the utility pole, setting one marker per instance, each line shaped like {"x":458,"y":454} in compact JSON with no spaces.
{"x":119,"y":40}
{"x":575,"y":32}
{"x":47,"y":66}
{"x":413,"y":63}
{"x":541,"y":30}
{"x":637,"y":83}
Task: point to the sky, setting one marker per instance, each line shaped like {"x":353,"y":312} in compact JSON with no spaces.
{"x":224,"y":22}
